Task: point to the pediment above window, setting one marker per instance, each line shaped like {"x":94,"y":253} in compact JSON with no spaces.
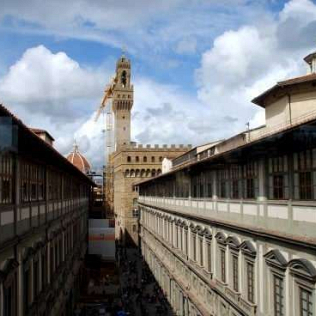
{"x":304,"y":268}
{"x":233,"y":242}
{"x":221,"y":238}
{"x":179,"y":222}
{"x":276,"y":259}
{"x":198,"y":229}
{"x":207,"y":233}
{"x":248,"y":248}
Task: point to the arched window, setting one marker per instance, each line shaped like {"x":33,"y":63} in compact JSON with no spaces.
{"x":137,"y":174}
{"x":123,"y":78}
{"x":132,"y":173}
{"x":129,"y":159}
{"x":148,"y":173}
{"x":145,"y":159}
{"x":153,"y":172}
{"x":137,"y":159}
{"x":160,"y":159}
{"x":152,"y":159}
{"x":143,"y":173}
{"x":158,"y":172}
{"x":126,"y":173}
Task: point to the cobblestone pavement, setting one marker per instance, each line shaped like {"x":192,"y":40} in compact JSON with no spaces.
{"x":141,"y":294}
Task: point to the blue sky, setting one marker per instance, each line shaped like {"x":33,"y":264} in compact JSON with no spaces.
{"x":196,"y":64}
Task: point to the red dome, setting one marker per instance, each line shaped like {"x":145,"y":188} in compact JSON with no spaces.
{"x":78,"y":160}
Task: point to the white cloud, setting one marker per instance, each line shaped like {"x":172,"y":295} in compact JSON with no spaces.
{"x":243,"y":63}
{"x":52,"y":91}
{"x":41,"y":76}
{"x":141,"y":25}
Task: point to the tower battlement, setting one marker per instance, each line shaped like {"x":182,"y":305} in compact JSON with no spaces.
{"x":162,"y":147}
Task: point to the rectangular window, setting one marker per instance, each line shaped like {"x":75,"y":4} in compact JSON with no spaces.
{"x":250,"y":176}
{"x":24,"y":182}
{"x":44,"y":269}
{"x":305,"y":180}
{"x":223,"y":265}
{"x":278,"y":296}
{"x":6,"y":179}
{"x":33,"y":182}
{"x":194,"y":247}
{"x":278,"y":178}
{"x":177,"y":237}
{"x":8,"y":300}
{"x":60,"y":250}
{"x":303,"y":177}
{"x":235,"y":273}
{"x":201,"y":252}
{"x":56,"y":256}
{"x":181,"y":240}
{"x":235,"y":189}
{"x":186,"y":242}
{"x":223,"y":182}
{"x":306,"y":304}
{"x":236,"y":177}
{"x":41,"y":183}
{"x":278,"y":187}
{"x":208,"y":183}
{"x":250,"y":282}
{"x":250,"y":193}
{"x":209,"y":257}
{"x":35,"y":279}
{"x":52,"y":262}
{"x":26,"y":289}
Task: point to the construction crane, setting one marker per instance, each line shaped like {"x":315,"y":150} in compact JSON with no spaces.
{"x":106,"y":106}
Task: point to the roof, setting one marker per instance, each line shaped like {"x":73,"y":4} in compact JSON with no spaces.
{"x":41,"y":131}
{"x":30,"y":145}
{"x":262,"y":142}
{"x":310,"y":57}
{"x":78,"y":160}
{"x":259,"y":100}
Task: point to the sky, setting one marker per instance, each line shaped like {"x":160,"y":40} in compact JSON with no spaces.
{"x":196,"y":64}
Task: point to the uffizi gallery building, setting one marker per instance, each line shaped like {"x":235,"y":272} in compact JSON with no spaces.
{"x":230,"y":230}
{"x":44,"y":203}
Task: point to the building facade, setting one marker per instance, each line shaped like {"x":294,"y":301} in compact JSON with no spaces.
{"x":129,"y":163}
{"x":232,"y":230}
{"x":44,"y":202}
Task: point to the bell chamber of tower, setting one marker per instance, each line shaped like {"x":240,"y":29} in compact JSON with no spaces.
{"x":123,"y":95}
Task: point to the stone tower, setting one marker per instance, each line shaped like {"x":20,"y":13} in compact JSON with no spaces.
{"x":122,"y":103}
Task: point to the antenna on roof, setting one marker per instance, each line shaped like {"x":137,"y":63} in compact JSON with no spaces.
{"x":248,"y":129}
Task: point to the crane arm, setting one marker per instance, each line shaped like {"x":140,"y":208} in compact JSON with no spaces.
{"x":107,"y":95}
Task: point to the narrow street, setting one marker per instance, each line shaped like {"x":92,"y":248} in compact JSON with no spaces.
{"x":141,"y":294}
{"x":129,"y":289}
